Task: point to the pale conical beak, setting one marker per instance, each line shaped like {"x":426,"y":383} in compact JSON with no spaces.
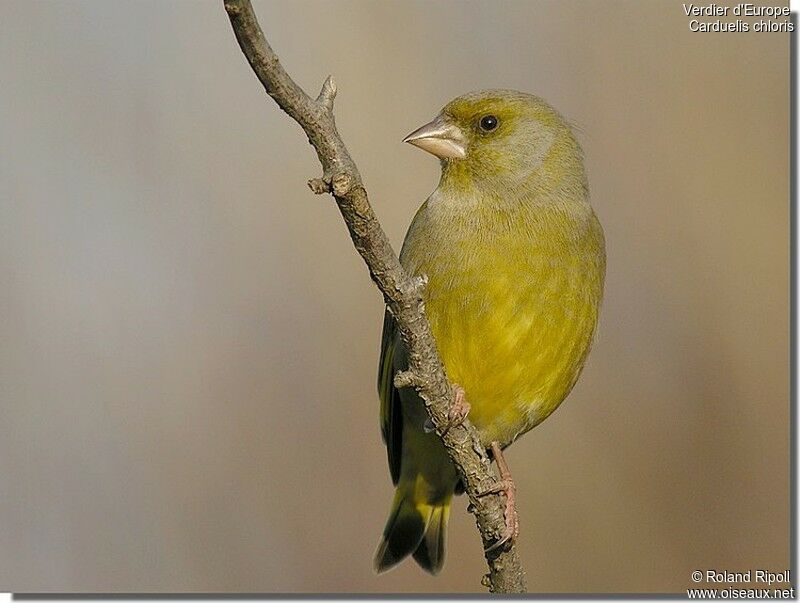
{"x":441,"y":137}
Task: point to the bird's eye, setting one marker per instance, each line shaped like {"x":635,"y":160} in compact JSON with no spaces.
{"x":489,"y":123}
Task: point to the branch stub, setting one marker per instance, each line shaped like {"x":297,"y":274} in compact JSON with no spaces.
{"x":319,"y":186}
{"x":405,"y":379}
{"x":327,"y":94}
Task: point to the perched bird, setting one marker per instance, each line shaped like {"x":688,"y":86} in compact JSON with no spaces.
{"x":515,"y":261}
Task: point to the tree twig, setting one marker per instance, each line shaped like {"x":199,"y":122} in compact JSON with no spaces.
{"x":402,"y":293}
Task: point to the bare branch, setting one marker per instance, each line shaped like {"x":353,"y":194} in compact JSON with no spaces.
{"x":402,"y":293}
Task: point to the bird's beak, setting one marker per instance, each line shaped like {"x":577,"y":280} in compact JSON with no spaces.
{"x":441,"y":137}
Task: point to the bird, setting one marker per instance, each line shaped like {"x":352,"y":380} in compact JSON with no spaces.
{"x":514,"y":258}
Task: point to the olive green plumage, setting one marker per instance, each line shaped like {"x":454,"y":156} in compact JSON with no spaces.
{"x":515,"y":261}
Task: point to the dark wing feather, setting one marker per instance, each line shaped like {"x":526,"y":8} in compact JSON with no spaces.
{"x":391,"y":412}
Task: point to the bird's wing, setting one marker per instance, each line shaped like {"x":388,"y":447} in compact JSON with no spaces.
{"x":391,"y":412}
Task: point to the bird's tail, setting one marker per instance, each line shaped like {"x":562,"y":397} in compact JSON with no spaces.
{"x":414,"y":527}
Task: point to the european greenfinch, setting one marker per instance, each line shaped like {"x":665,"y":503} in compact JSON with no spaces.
{"x":515,"y":263}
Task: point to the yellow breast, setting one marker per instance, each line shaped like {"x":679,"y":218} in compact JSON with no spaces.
{"x":513,"y":298}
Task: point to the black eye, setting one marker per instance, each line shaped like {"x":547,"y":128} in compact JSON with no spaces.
{"x":488,"y":123}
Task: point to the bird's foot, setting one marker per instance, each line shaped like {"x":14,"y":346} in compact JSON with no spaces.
{"x":506,"y":486}
{"x":459,"y":409}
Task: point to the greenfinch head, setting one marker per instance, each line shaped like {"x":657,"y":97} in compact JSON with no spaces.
{"x":500,"y":139}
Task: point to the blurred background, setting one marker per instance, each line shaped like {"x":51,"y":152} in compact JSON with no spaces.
{"x":190,"y":342}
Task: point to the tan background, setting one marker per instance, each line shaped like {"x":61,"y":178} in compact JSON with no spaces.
{"x":189,"y":341}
